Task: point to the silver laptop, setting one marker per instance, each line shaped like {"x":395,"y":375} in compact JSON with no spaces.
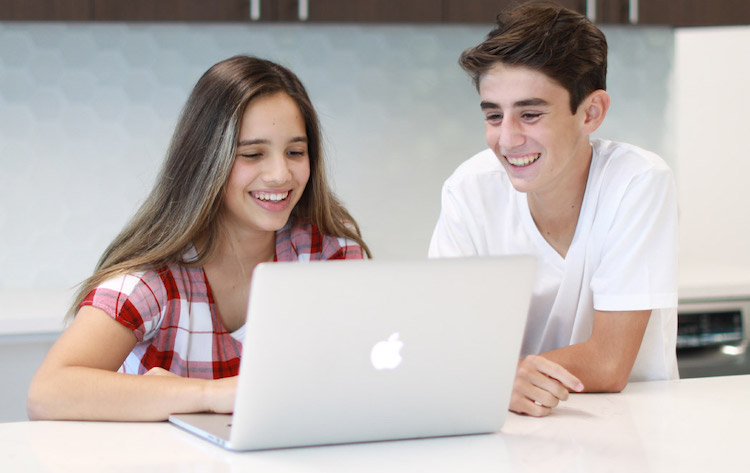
{"x":355,"y":351}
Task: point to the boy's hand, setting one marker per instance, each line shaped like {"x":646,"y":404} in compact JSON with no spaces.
{"x":540,"y":385}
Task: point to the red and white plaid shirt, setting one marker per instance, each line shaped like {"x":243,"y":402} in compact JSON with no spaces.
{"x":173,"y":315}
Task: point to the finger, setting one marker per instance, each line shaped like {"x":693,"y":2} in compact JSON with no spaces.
{"x":557,"y":372}
{"x":536,"y":384}
{"x":522,"y":405}
{"x":545,"y":391}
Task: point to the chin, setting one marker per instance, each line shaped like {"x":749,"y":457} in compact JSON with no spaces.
{"x":275,"y":225}
{"x":522,"y":186}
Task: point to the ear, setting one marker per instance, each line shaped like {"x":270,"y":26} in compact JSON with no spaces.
{"x":595,"y":108}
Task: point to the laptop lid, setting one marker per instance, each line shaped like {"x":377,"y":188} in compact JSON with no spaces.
{"x":353,"y":351}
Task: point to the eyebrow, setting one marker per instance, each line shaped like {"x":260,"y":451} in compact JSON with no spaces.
{"x":261,"y":141}
{"x":521,"y":103}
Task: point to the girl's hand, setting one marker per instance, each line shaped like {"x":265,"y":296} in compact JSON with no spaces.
{"x":220,"y":395}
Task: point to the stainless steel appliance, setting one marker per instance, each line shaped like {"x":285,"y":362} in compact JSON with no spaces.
{"x":713,"y":336}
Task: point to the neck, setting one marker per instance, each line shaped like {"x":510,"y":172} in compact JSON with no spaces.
{"x":555,"y":212}
{"x":230,"y":269}
{"x":239,"y":254}
{"x":567,"y":193}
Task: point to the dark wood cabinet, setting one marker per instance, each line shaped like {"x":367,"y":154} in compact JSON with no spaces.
{"x":694,"y":12}
{"x":170,"y":10}
{"x":61,"y":10}
{"x":130,"y":10}
{"x":364,"y":11}
{"x":675,"y":13}
{"x":645,"y":12}
{"x":405,"y":11}
{"x":314,"y":11}
{"x":485,"y":11}
{"x":611,"y":11}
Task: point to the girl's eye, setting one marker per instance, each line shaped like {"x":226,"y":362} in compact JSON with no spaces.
{"x":251,"y":155}
{"x":297,"y":152}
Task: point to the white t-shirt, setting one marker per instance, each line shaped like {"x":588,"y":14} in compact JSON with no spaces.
{"x":623,"y":255}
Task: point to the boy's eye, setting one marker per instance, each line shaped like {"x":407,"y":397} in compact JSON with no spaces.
{"x":530,"y":116}
{"x":494,"y":117}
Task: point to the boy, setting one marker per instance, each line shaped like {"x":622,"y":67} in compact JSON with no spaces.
{"x":600,"y":216}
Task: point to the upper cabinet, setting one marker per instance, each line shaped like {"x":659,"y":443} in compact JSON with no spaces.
{"x":645,"y":12}
{"x":170,"y":10}
{"x":695,"y":12}
{"x":62,"y":10}
{"x":672,"y":12}
{"x":130,"y":10}
{"x":361,"y":11}
{"x":485,"y":11}
{"x":400,"y":11}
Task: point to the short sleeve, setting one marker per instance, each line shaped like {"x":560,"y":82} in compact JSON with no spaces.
{"x":134,"y":300}
{"x":638,"y":264}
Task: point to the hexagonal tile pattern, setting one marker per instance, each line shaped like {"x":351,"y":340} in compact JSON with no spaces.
{"x":87,"y":111}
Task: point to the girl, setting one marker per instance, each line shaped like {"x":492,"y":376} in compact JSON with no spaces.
{"x":243,"y":183}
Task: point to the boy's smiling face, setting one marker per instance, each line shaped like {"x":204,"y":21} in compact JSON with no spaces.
{"x":531,"y":129}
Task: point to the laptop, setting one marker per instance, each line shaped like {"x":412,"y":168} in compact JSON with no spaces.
{"x":358,"y":351}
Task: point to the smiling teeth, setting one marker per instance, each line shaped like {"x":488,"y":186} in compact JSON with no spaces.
{"x":523,"y":160}
{"x":270,"y":197}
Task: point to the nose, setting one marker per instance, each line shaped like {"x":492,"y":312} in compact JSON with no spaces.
{"x":510,"y":135}
{"x":276,"y":170}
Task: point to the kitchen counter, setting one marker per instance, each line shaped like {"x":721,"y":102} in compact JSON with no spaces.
{"x":703,"y":281}
{"x":30,"y":312}
{"x":693,"y":425}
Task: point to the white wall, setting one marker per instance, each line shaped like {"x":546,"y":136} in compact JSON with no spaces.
{"x":86,"y":112}
{"x":712,"y":105}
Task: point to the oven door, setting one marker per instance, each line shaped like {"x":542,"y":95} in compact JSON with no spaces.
{"x":712,"y":337}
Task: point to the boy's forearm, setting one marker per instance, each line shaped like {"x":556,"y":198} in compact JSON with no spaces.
{"x":604,"y":362}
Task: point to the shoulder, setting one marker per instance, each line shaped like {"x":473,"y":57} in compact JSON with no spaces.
{"x":123,"y":287}
{"x":145,"y":292}
{"x":480,"y":185}
{"x":626,"y":160}
{"x":482,"y":165}
{"x":621,"y":171}
{"x":303,"y":241}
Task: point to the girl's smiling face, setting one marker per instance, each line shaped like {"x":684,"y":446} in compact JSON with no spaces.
{"x":271,"y":168}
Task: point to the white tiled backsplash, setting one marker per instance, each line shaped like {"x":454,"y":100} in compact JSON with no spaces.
{"x":87,"y":110}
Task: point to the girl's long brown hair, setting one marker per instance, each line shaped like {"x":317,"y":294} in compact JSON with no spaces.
{"x":185,"y":204}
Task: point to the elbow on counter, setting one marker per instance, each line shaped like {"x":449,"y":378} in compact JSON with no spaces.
{"x":38,"y":401}
{"x":35,"y":407}
{"x":614,"y":378}
{"x":615,"y":386}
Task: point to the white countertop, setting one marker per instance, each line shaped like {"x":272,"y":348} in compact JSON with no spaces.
{"x":33,"y":311}
{"x":695,"y":425}
{"x":701,"y":281}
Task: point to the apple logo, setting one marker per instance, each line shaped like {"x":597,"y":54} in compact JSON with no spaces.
{"x":385,"y":355}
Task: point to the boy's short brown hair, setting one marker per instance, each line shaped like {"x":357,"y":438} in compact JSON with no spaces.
{"x":559,"y":42}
